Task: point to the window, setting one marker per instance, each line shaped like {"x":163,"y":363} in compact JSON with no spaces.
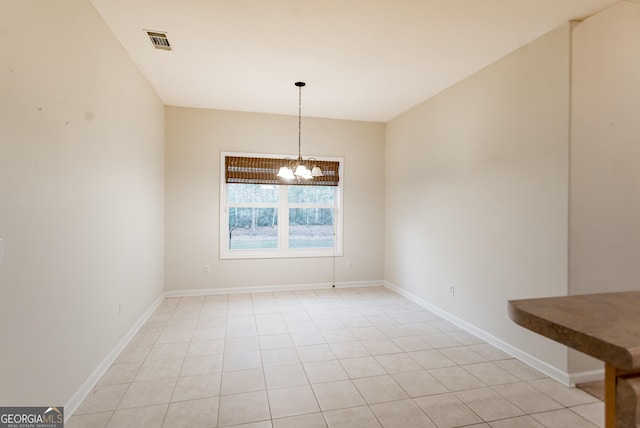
{"x":264,"y":217}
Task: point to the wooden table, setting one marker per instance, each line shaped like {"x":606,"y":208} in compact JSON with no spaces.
{"x":605,"y":326}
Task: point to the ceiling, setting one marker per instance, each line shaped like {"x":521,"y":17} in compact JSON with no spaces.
{"x":361,"y":59}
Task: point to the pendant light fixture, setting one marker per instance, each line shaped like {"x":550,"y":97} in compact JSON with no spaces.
{"x":298,"y":169}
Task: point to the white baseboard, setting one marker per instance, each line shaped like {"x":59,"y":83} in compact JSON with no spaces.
{"x":586,"y":376}
{"x":525,"y":357}
{"x":76,"y":399}
{"x":271,"y":288}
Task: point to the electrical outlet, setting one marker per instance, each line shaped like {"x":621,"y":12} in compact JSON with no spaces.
{"x":120,"y":307}
{"x":207,"y":269}
{"x":451,"y":289}
{"x":348,"y":264}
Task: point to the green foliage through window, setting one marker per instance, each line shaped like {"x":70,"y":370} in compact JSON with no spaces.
{"x":257,"y":227}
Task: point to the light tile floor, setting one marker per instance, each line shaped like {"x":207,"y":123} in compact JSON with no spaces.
{"x":337,"y":358}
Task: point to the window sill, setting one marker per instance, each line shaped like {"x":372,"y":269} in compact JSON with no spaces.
{"x":233,"y":255}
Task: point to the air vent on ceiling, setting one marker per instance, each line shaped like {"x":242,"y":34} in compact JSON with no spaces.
{"x":159,"y":40}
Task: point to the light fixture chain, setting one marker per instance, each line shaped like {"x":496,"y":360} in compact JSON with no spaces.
{"x":299,"y":123}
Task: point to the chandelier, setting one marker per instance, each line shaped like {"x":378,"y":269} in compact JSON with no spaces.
{"x":299,"y":169}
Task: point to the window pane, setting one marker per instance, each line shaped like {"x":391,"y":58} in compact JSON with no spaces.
{"x":253,"y":228}
{"x":311,"y":228}
{"x":252,"y":193}
{"x":311,"y":195}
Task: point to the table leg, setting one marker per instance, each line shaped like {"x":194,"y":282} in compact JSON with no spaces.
{"x":610,"y":376}
{"x":611,"y":398}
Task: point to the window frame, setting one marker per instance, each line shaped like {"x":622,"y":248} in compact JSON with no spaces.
{"x":283,"y":206}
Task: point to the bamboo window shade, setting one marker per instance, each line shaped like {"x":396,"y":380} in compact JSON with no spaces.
{"x":252,"y":170}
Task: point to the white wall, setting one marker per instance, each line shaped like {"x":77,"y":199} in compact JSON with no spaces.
{"x":605,"y":156}
{"x":81,"y":197}
{"x":476,"y":190}
{"x":477,"y":193}
{"x":194,"y":140}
